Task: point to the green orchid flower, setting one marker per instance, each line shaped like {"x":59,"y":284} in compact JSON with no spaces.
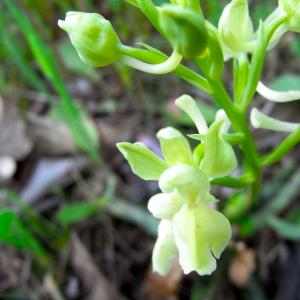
{"x":188,"y":227}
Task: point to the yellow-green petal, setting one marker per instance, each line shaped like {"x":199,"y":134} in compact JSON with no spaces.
{"x":143,"y":162}
{"x":174,"y":146}
{"x":219,"y":158}
{"x":164,"y":249}
{"x":165,"y":205}
{"x":190,"y":182}
{"x":201,"y":234}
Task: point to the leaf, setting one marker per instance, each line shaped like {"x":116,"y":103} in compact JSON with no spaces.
{"x":286,"y":82}
{"x":14,"y":233}
{"x":285,"y":229}
{"x":71,"y":113}
{"x":77,"y":212}
{"x":143,"y":162}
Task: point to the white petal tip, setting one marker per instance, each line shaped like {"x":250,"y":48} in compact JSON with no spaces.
{"x":277,"y":96}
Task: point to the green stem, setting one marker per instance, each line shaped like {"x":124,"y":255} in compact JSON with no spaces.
{"x":239,"y":123}
{"x":282,"y":149}
{"x":154,"y":56}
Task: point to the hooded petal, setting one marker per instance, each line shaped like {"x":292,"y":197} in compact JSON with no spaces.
{"x":190,"y":182}
{"x":174,"y":146}
{"x":201,"y":234}
{"x":164,"y":249}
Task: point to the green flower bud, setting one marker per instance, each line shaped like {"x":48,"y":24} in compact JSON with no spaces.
{"x":200,"y":234}
{"x":185,"y":29}
{"x":164,"y":249}
{"x":165,"y":205}
{"x":93,"y":37}
{"x":190,"y":182}
{"x":174,"y":146}
{"x":235,"y":26}
{"x":292,"y":9}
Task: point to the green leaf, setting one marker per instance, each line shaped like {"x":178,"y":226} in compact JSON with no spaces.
{"x":285,"y":229}
{"x":13,"y":232}
{"x":71,"y":113}
{"x":77,"y":212}
{"x":143,"y":162}
{"x":286,"y":82}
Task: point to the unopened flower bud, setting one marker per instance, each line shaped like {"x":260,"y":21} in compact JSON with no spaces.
{"x":93,"y":37}
{"x":185,"y":29}
{"x":235,"y":26}
{"x":292,"y":9}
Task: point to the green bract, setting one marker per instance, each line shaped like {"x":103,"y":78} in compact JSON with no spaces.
{"x":93,"y":37}
{"x":182,"y":27}
{"x":235,"y":27}
{"x":292,"y":9}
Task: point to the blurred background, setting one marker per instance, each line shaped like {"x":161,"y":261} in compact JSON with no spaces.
{"x":73,"y":218}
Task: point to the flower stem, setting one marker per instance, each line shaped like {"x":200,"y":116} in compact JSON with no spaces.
{"x":165,"y":67}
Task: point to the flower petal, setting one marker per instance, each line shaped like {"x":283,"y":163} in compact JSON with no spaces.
{"x":201,"y":234}
{"x":190,"y":182}
{"x":260,"y":120}
{"x":277,"y":96}
{"x":219,"y":158}
{"x":165,"y":205}
{"x":164,"y":249}
{"x":175,"y":146}
{"x":189,"y":106}
{"x":143,"y":162}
